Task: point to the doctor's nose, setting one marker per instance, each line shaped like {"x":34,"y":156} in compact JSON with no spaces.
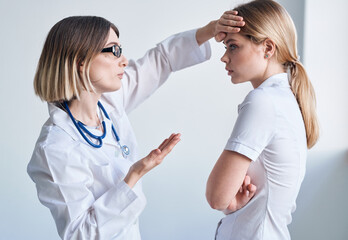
{"x":124,"y":61}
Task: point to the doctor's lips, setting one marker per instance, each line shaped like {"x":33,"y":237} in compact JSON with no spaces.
{"x":120,"y":75}
{"x":229,"y":72}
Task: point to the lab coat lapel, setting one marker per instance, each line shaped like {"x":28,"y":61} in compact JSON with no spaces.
{"x":61,"y":119}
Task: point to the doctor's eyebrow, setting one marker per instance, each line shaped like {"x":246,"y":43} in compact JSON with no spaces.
{"x":112,"y":44}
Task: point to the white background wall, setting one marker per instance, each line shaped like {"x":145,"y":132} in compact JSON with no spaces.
{"x":322,"y":211}
{"x":199,"y":102}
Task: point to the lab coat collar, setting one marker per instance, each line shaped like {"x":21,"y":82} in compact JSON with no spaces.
{"x":277,"y":80}
{"x":61,"y":119}
{"x":112,"y":102}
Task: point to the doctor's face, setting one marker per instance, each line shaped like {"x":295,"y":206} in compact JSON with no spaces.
{"x":244,"y":59}
{"x":106,"y":69}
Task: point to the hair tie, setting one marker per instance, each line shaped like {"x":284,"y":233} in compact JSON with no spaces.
{"x":291,"y":64}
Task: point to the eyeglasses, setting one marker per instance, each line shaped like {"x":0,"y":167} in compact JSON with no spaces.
{"x":115,"y":49}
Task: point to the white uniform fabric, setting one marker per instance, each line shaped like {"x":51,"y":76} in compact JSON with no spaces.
{"x":270,"y":131}
{"x":83,"y":186}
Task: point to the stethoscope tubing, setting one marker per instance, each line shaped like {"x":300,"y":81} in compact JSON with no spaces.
{"x":81,"y":129}
{"x":98,"y":138}
{"x":112,"y":125}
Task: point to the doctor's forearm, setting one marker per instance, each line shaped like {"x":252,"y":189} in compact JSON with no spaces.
{"x":132,"y":178}
{"x":205,"y":33}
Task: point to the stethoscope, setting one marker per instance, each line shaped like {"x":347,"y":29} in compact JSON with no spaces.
{"x":81,"y":128}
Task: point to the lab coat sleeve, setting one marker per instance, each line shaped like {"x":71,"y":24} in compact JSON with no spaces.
{"x":63,"y":184}
{"x":144,"y":76}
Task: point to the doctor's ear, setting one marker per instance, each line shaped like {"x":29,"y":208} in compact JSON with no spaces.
{"x":269,"y":48}
{"x":80,"y":66}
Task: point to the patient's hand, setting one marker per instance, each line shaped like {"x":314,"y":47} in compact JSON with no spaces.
{"x":244,"y":195}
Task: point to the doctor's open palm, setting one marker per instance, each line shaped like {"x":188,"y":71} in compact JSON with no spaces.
{"x":155,"y":157}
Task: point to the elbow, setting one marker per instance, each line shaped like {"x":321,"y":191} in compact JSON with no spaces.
{"x":217,"y":206}
{"x":217,"y":202}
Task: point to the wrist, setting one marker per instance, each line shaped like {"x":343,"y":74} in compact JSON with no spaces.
{"x":211,"y":28}
{"x":205,"y":33}
{"x":132,"y":177}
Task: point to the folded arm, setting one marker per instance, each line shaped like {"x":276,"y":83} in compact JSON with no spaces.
{"x":228,"y":188}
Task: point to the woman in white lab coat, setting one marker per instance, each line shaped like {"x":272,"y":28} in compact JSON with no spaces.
{"x":276,"y":124}
{"x":85,"y":163}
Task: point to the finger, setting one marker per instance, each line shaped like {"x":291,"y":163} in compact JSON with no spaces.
{"x":227,"y":29}
{"x":245,"y":183}
{"x":171,"y":144}
{"x":176,"y":137}
{"x":160,"y":147}
{"x":171,"y":138}
{"x":229,"y":16}
{"x":166,"y":141}
{"x":252,"y":190}
{"x":247,"y":180}
{"x":246,"y":194}
{"x":232,"y":23}
{"x":234,"y":12}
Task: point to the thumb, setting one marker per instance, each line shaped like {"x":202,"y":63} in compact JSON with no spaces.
{"x":220,"y":36}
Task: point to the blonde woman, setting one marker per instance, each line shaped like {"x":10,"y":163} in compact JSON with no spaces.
{"x":276,"y":124}
{"x":85,"y":163}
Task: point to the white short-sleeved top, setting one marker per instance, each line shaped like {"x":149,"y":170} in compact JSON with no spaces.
{"x":270,"y":131}
{"x":83,"y":186}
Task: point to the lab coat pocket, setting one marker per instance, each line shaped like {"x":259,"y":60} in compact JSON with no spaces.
{"x":102,"y":171}
{"x":98,"y":158}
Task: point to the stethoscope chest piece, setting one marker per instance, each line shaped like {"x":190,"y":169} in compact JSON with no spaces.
{"x":125,"y":151}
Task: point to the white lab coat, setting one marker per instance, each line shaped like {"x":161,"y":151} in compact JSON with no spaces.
{"x":83,"y":186}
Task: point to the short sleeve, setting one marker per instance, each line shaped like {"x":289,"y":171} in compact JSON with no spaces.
{"x":255,"y":125}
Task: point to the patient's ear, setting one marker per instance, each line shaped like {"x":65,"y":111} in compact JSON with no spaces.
{"x":269,"y":48}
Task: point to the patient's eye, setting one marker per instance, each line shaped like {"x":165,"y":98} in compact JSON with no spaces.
{"x":232,"y":47}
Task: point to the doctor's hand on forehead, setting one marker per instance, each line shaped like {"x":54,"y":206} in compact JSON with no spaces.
{"x":229,"y":22}
{"x":156,"y":156}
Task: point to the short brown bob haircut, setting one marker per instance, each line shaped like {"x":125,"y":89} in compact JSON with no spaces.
{"x":71,"y":42}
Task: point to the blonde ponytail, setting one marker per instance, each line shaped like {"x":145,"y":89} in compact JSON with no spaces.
{"x":305,"y":96}
{"x":260,"y":18}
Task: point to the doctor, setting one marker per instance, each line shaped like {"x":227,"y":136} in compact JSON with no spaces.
{"x":85,"y":163}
